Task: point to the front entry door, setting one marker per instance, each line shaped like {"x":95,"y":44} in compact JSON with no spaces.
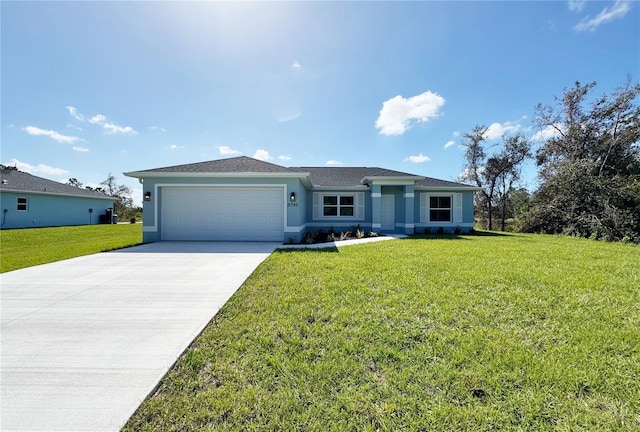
{"x":388,"y":212}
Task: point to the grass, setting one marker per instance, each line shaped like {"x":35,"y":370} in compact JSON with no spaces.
{"x":513,"y":332}
{"x":28,"y":247}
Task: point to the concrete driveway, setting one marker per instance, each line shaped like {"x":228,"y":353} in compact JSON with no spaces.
{"x":85,"y":340}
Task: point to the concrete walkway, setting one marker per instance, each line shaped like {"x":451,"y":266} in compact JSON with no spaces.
{"x":85,"y":340}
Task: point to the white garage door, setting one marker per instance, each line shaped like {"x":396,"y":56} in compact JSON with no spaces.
{"x":222,"y":213}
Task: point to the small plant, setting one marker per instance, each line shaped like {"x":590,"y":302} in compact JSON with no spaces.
{"x":373,"y":234}
{"x":359,"y":233}
{"x":427,"y":230}
{"x":291,"y":240}
{"x":440,"y":230}
{"x":344,"y":235}
{"x":457,"y":230}
{"x":309,"y":238}
{"x":331,"y":237}
{"x":132,"y":220}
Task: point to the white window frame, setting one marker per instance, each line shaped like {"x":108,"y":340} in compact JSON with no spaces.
{"x":439,"y":209}
{"x":25,"y":204}
{"x":319,"y":206}
{"x":456,"y":207}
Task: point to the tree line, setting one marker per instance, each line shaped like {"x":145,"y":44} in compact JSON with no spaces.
{"x":121,"y":194}
{"x":588,"y":163}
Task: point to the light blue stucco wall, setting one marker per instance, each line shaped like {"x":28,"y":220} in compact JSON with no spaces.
{"x":50,"y":210}
{"x":299,"y":214}
{"x":467,"y":212}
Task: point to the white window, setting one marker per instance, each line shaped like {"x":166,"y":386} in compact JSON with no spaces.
{"x":23,"y":204}
{"x":440,"y":208}
{"x":330,"y":205}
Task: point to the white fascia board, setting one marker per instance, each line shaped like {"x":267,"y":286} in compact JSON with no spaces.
{"x":355,"y":188}
{"x":448,"y":188}
{"x":22,"y":192}
{"x":143,"y":174}
{"x":391,"y":180}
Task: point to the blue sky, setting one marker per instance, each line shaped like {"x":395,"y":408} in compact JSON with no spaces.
{"x":90,"y":88}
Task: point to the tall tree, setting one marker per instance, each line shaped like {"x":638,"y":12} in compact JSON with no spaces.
{"x":120,"y":193}
{"x":74,"y":182}
{"x":590,"y":166}
{"x":498,"y":174}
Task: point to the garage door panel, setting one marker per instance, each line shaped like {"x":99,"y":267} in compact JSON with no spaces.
{"x":222,"y":213}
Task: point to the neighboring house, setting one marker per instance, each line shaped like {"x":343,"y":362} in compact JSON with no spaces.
{"x":247,"y":199}
{"x":28,"y":201}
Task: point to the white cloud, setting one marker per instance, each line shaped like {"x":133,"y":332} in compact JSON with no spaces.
{"x":175,"y":146}
{"x":157,"y":128}
{"x":398,"y":114}
{"x":101,"y":120}
{"x":228,"y":151}
{"x":37,"y":169}
{"x":72,"y":126}
{"x":456,"y":134}
{"x":551,"y":131}
{"x":418,"y":159}
{"x":576,"y":5}
{"x":289,"y":117}
{"x":74,"y":113}
{"x":334,"y":162}
{"x":114,"y":128}
{"x":80,"y":149}
{"x":496,"y":130}
{"x":619,"y":10}
{"x":449,"y":144}
{"x":262,"y":155}
{"x":296,"y":65}
{"x":284,"y":157}
{"x":36,"y":131}
{"x":97,"y":119}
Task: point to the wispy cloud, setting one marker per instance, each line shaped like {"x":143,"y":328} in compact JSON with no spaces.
{"x":284,"y":158}
{"x":334,"y":162}
{"x":37,"y":169}
{"x":576,"y":5}
{"x":418,"y":159}
{"x":262,"y":155}
{"x":74,"y":113}
{"x":101,"y":120}
{"x":175,"y":146}
{"x":228,"y":151}
{"x":80,"y":149}
{"x":619,"y":10}
{"x":496,"y":130}
{"x":398,"y":114}
{"x":296,"y":65}
{"x":449,"y":144}
{"x":289,"y":118}
{"x":157,"y":128}
{"x":36,"y":131}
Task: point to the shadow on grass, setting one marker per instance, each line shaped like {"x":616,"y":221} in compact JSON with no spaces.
{"x":467,"y":236}
{"x":319,"y":248}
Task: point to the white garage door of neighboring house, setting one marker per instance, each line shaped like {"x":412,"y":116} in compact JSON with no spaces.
{"x":222,"y":213}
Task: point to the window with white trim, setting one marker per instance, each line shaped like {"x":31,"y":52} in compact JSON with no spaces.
{"x":335,"y":205}
{"x":440,"y":208}
{"x":23,"y":204}
{"x":338,"y":205}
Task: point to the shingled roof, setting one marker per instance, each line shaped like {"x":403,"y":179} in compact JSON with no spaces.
{"x":240,"y":164}
{"x":17,"y":181}
{"x":337,"y":177}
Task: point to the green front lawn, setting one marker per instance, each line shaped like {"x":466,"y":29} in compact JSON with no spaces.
{"x":504,"y":332}
{"x":22,"y":248}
